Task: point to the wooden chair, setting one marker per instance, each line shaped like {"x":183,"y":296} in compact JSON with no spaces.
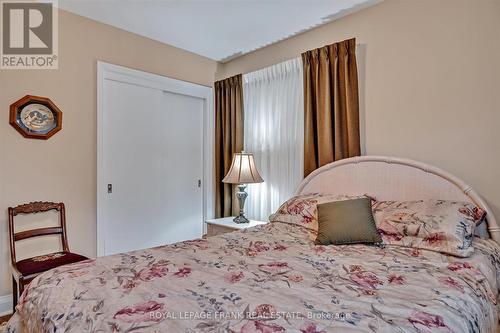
{"x":24,"y":271}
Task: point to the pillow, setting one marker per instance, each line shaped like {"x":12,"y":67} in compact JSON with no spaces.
{"x":301,"y":210}
{"x":437,"y":225}
{"x":347,"y":222}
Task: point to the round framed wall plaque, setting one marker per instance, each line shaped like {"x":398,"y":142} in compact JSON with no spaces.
{"x":35,"y":117}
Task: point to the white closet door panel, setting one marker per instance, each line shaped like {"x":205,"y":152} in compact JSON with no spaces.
{"x":152,"y":153}
{"x":184,"y":147}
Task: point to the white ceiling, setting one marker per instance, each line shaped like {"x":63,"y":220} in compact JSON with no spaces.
{"x":217,"y":29}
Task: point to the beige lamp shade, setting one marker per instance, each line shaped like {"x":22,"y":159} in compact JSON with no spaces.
{"x":243,"y":170}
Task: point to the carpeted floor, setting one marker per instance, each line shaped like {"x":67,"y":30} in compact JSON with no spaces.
{"x":3,"y":322}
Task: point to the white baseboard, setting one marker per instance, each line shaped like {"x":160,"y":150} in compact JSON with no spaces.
{"x":5,"y":305}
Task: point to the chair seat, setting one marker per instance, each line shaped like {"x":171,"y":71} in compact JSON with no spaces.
{"x":45,"y":262}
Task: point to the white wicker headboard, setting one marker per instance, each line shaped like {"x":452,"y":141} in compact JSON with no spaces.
{"x":389,"y":178}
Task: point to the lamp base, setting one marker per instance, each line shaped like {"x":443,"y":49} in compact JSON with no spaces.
{"x":241,"y":195}
{"x":241,"y":219}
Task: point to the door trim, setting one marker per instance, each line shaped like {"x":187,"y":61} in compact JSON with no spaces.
{"x":107,"y":71}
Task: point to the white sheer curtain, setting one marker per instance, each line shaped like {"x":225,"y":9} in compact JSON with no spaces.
{"x":274,"y":132}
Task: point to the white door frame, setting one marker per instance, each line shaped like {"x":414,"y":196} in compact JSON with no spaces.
{"x":106,"y":71}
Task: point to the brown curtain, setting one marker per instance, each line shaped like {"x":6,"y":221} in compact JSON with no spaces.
{"x":331,"y":107}
{"x":228,"y":140}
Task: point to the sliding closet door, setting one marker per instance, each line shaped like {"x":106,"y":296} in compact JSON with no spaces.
{"x":152,"y":159}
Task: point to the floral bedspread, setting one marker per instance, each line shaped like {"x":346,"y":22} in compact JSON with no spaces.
{"x":270,"y":278}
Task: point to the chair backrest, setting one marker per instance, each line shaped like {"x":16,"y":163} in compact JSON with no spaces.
{"x":33,"y":208}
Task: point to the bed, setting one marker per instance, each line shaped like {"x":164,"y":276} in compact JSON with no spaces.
{"x":272,"y":278}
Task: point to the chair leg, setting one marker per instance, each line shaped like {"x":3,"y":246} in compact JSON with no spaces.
{"x":21,"y":287}
{"x":14,"y":294}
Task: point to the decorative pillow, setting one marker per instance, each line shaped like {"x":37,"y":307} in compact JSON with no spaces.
{"x":347,"y":222}
{"x":302,"y":209}
{"x":437,"y":225}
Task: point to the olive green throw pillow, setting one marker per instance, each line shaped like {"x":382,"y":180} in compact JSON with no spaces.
{"x":347,"y":222}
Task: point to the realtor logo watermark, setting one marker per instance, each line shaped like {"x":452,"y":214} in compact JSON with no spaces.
{"x":29,"y":34}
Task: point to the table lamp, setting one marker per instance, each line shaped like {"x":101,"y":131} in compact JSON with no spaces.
{"x":242,"y":172}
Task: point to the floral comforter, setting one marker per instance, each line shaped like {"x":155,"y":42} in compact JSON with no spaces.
{"x":270,"y":278}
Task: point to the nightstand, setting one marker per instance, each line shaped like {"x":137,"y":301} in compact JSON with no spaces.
{"x":223,"y":225}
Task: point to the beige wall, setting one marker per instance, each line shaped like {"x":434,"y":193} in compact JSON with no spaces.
{"x":64,"y":167}
{"x":431,"y":82}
